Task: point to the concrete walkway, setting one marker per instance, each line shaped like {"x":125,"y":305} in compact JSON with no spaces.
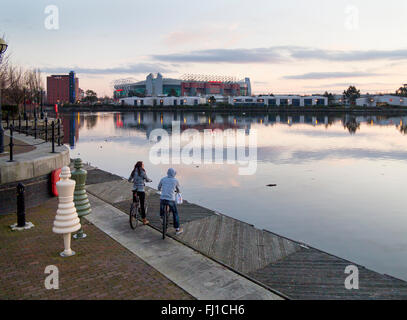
{"x":19,"y":147}
{"x":198,"y":275}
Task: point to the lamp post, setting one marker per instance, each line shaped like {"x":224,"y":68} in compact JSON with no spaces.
{"x":3,"y":48}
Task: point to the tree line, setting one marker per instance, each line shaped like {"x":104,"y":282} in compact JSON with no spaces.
{"x":18,"y":83}
{"x":352,"y":93}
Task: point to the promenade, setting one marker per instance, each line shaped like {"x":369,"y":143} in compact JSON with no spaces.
{"x":113,"y":262}
{"x":288,"y":268}
{"x":101,"y":269}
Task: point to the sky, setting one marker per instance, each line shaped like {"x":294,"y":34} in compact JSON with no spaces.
{"x":291,"y":46}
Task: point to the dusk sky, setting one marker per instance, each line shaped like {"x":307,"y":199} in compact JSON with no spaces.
{"x":291,"y":46}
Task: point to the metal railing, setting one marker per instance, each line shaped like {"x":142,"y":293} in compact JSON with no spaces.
{"x":38,"y":128}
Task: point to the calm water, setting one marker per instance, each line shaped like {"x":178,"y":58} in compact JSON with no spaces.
{"x":341,"y":180}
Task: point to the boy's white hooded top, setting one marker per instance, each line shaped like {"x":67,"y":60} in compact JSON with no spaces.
{"x":169,"y":186}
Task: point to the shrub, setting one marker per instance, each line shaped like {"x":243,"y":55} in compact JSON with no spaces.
{"x":11,"y":110}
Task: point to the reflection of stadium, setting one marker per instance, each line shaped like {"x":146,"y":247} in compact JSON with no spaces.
{"x":148,"y":121}
{"x":223,"y":121}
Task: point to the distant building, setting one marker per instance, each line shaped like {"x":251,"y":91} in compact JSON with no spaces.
{"x":81,"y":94}
{"x":62,"y":88}
{"x":339,"y":99}
{"x":162,"y":101}
{"x":271,"y":101}
{"x":280,"y":101}
{"x":190,"y":85}
{"x":381,"y":100}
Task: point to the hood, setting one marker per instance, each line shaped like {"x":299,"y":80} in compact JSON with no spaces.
{"x":171,"y":173}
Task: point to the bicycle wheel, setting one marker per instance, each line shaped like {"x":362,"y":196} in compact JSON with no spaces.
{"x":164,"y":225}
{"x":133,"y":216}
{"x":165,"y":221}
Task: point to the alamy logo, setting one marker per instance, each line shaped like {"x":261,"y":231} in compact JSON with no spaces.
{"x":352,"y":281}
{"x":352,"y":18}
{"x":51,"y":22}
{"x":212,"y":146}
{"x":51,"y":281}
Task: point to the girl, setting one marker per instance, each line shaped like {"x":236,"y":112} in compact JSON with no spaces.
{"x":139,"y":177}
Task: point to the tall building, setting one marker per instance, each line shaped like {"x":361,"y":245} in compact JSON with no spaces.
{"x":62,"y":88}
{"x":189,"y":85}
{"x":73,"y":88}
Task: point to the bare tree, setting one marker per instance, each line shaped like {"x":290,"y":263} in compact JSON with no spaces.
{"x":4,"y":70}
{"x":14,"y":80}
{"x":14,"y":85}
{"x":34,"y":84}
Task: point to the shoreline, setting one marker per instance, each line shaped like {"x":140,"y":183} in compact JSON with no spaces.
{"x":234,"y":109}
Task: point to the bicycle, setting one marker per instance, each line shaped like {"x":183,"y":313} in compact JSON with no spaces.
{"x":135,"y":212}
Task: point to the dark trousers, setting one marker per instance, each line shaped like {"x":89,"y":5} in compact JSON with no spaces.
{"x":142,"y":199}
{"x":173,"y":209}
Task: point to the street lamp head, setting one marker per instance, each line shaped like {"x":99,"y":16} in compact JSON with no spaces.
{"x":3,"y":46}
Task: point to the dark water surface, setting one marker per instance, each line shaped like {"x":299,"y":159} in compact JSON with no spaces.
{"x":341,"y":180}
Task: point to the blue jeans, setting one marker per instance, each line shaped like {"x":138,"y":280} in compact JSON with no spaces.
{"x":173,"y":209}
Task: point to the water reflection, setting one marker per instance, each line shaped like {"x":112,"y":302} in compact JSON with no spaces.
{"x":352,"y":125}
{"x":148,"y":121}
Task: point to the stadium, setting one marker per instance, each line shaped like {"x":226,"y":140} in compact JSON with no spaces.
{"x":188,"y":85}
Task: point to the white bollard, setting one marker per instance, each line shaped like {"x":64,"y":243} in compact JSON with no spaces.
{"x":66,"y":220}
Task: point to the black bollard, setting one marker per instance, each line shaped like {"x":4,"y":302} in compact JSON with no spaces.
{"x":26,"y":126}
{"x":7,"y":121}
{"x":59,"y":132}
{"x":35,"y":128}
{"x":19,"y":122}
{"x":11,"y":144}
{"x":46,"y":129}
{"x":53,"y":136}
{"x":20,"y":206}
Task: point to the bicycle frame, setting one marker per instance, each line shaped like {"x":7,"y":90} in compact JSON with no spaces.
{"x":136,"y":199}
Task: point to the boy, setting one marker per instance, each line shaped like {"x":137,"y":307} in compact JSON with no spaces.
{"x":169,"y":186}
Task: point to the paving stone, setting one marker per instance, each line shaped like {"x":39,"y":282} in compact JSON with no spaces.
{"x":102,"y":268}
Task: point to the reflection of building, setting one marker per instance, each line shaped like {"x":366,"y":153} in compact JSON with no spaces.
{"x":62,"y":88}
{"x":201,"y":121}
{"x":190,"y":85}
{"x":71,"y":129}
{"x":146,"y":122}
